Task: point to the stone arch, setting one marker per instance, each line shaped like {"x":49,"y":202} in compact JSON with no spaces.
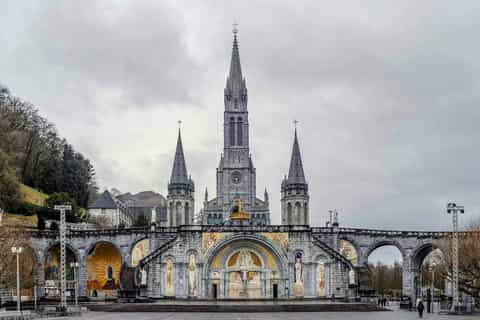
{"x":100,"y":257}
{"x":382,"y":243}
{"x":68,"y":245}
{"x":139,"y":250}
{"x":421,"y":252}
{"x":223,"y":247}
{"x":349,"y":250}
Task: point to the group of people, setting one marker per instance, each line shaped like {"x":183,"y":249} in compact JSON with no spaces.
{"x":383,"y":302}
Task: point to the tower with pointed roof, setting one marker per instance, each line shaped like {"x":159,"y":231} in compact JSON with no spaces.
{"x":181,"y":191}
{"x":236,"y":174}
{"x":294,"y":190}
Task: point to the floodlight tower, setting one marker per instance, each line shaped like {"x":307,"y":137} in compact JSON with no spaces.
{"x":454,"y":210}
{"x":63,"y":252}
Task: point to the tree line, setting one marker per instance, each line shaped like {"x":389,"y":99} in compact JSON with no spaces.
{"x":33,"y":153}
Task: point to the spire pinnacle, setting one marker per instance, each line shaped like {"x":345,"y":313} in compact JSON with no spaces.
{"x":235,"y":78}
{"x":296,"y":174}
{"x":179,"y":171}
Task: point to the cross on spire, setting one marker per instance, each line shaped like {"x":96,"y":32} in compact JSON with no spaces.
{"x":235,"y":28}
{"x":179,"y":124}
{"x":295,"y":122}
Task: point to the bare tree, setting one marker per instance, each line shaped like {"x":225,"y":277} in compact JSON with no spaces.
{"x":469,"y":259}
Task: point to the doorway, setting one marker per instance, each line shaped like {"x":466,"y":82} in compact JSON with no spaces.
{"x":215,"y":291}
{"x":275,"y":291}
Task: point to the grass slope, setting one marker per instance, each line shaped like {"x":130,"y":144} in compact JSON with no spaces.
{"x":32,"y":196}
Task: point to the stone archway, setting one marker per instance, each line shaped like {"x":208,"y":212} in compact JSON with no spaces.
{"x":244,"y":267}
{"x":104,"y":261}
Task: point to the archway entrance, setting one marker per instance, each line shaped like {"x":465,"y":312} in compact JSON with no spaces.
{"x":244,"y":269}
{"x":386,"y":272}
{"x":28,"y":277}
{"x":429,"y":284}
{"x":103,"y":266}
{"x":52,"y":271}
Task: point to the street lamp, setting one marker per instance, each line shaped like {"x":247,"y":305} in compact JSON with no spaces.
{"x":432,"y":296}
{"x":74,"y":266}
{"x":454,"y":210}
{"x":17,"y":251}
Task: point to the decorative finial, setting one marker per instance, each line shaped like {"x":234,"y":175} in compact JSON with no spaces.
{"x":235,"y":28}
{"x":295,"y":122}
{"x":179,"y":124}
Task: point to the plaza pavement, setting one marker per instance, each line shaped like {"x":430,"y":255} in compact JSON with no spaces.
{"x":395,"y":315}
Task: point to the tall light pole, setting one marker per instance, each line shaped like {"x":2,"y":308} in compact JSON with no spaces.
{"x":454,"y":210}
{"x":17,"y":251}
{"x":432,"y":295}
{"x":74,"y":266}
{"x":63,"y":252}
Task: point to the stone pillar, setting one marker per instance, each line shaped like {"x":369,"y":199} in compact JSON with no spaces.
{"x":82,"y":274}
{"x":408,"y":277}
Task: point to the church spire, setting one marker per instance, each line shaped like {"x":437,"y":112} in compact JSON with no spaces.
{"x":295,"y":173}
{"x":179,"y":171}
{"x":235,"y":89}
{"x":235,"y":78}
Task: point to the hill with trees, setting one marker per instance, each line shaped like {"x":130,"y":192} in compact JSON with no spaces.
{"x":35,"y":160}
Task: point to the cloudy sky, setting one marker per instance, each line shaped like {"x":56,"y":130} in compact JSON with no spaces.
{"x":387,"y":95}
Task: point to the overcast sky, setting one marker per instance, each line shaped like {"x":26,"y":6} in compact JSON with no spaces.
{"x":387,"y":95}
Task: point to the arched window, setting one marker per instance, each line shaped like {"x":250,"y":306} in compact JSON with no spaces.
{"x":289,"y":213}
{"x":178,"y":211}
{"x":239,"y":131}
{"x":187,"y":214}
{"x":171,"y":215}
{"x":298,"y":212}
{"x":232,"y":131}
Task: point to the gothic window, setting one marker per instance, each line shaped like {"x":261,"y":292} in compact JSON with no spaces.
{"x":298,"y":211}
{"x":289,"y":213}
{"x":187,"y":214}
{"x":178,"y":211}
{"x":240,"y":131}
{"x":232,"y":131}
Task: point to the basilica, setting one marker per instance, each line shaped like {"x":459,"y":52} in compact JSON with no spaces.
{"x":231,"y":250}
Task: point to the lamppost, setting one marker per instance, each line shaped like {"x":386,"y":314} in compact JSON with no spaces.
{"x":74,"y":266}
{"x":432,"y":293}
{"x":454,"y":210}
{"x":17,"y":251}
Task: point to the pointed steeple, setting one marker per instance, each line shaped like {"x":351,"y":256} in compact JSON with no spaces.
{"x":235,"y":78}
{"x":236,"y":89}
{"x":296,"y":174}
{"x":179,"y":171}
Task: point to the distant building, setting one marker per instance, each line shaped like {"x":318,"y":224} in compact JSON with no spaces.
{"x":110,"y":210}
{"x":142,"y":203}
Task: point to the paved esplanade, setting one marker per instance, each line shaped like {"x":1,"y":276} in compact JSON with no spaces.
{"x":397,"y":315}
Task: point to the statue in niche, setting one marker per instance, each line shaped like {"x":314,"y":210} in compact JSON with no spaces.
{"x":143,"y":277}
{"x":170,"y":278}
{"x":192,"y":283}
{"x":298,"y":286}
{"x":321,"y":280}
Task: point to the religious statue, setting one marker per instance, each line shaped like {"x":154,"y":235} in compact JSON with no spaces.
{"x":298,"y":286}
{"x":192,"y":283}
{"x":351,"y":277}
{"x":170,"y":278}
{"x":298,"y":270}
{"x":321,"y":280}
{"x":143,"y":277}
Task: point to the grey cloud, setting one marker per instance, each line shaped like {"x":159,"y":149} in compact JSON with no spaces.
{"x":387,"y":96}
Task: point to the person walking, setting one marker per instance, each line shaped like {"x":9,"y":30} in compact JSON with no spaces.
{"x":420,"y":308}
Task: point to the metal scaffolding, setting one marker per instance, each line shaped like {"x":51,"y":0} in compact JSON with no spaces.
{"x":63,"y":252}
{"x":454,"y":210}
